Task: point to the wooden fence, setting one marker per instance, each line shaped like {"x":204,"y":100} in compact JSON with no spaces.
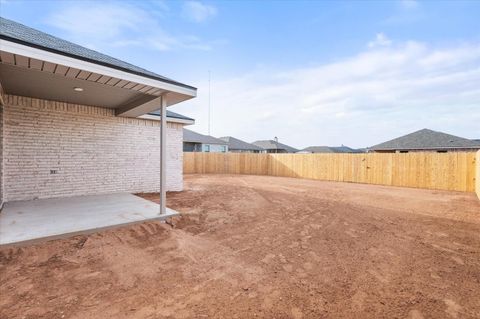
{"x":477,"y":176}
{"x":446,"y":171}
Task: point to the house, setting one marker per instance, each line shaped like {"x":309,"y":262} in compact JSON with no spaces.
{"x":238,"y":146}
{"x":273,"y":146}
{"x":196,"y":142}
{"x":171,"y":117}
{"x":427,"y":141}
{"x":330,"y":149}
{"x":75,"y":122}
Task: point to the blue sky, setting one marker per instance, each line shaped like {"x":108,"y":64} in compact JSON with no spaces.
{"x":312,"y":73}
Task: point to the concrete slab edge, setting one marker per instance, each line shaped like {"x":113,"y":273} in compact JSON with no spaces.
{"x":86,"y":231}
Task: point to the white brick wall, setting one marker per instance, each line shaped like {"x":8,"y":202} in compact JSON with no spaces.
{"x":91,"y":150}
{"x":1,"y":155}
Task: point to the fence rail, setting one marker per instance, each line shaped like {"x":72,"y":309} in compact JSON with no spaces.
{"x":444,"y":171}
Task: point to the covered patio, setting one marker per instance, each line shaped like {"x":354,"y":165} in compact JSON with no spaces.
{"x":55,"y":74}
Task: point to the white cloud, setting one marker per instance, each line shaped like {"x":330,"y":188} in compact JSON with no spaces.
{"x":407,"y":13}
{"x":97,"y":20}
{"x":100,"y":25}
{"x":361,"y":100}
{"x":380,"y":40}
{"x":197,"y":11}
{"x":409,"y":4}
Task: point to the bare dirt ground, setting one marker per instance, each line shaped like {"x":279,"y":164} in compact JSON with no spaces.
{"x":266,"y":247}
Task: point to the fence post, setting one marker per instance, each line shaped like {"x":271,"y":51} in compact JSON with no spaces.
{"x":477,"y":174}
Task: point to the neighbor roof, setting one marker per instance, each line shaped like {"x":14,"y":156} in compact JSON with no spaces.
{"x":19,"y":33}
{"x":272,"y":145}
{"x":194,"y":137}
{"x":331,"y":149}
{"x":426,"y":139}
{"x":173,"y":115}
{"x":236,"y":144}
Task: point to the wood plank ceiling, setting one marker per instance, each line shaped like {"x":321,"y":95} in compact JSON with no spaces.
{"x":43,"y":66}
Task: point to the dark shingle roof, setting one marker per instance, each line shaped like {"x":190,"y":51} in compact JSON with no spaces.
{"x":272,"y":145}
{"x":236,"y":144}
{"x":331,"y":149}
{"x":173,"y":115}
{"x":19,"y":33}
{"x":194,"y":137}
{"x":426,"y":139}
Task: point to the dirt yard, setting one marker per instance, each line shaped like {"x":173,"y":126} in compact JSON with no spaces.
{"x":265,"y":247}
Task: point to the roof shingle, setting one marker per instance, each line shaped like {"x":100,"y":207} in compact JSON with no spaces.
{"x":331,"y":149}
{"x":19,"y":33}
{"x":236,"y":144}
{"x":426,"y":139}
{"x":273,"y":145}
{"x":194,"y":137}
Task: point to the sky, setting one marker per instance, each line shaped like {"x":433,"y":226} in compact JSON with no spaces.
{"x":355,"y":73}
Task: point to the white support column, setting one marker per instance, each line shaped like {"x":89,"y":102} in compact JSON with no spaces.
{"x":163,"y":154}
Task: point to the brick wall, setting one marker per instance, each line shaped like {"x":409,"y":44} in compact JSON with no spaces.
{"x":55,"y":149}
{"x":1,"y":155}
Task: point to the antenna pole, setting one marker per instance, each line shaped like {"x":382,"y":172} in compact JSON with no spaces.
{"x":209,"y":106}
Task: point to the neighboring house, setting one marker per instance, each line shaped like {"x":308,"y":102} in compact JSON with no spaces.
{"x":426,"y":140}
{"x":196,"y":142}
{"x":74,"y":121}
{"x":273,"y":146}
{"x":238,"y":146}
{"x":330,"y":149}
{"x":171,"y":117}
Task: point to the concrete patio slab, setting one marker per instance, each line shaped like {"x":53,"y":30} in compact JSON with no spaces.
{"x":45,"y":219}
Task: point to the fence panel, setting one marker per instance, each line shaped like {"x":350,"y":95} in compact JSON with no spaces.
{"x":476,"y":174}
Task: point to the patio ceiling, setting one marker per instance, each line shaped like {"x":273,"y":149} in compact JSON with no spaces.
{"x":37,"y":73}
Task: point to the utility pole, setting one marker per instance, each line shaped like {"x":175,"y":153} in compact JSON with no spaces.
{"x":209,"y":100}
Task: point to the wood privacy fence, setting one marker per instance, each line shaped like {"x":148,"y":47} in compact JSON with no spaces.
{"x":447,"y":171}
{"x":477,"y":176}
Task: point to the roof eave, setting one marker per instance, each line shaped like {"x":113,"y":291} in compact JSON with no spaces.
{"x":203,"y":142}
{"x":181,"y":91}
{"x":170,"y":119}
{"x":43,"y":48}
{"x":424,"y":148}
